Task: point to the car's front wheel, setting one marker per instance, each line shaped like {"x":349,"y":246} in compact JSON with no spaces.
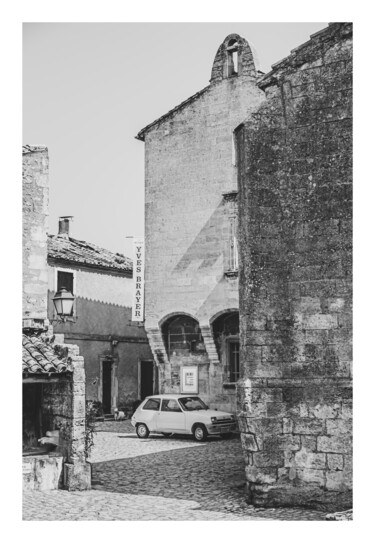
{"x":200,"y":432}
{"x":142,"y":431}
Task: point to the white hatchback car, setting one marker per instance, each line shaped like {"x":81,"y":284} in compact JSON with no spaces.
{"x":181,"y":414}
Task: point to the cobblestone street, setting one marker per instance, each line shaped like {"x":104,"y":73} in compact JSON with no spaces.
{"x":158,"y":478}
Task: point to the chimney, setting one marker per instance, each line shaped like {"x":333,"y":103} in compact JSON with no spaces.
{"x":64,"y":223}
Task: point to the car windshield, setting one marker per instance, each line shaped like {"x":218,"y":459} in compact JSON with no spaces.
{"x":192,"y":403}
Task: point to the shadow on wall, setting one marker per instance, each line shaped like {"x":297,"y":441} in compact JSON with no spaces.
{"x":97,"y":317}
{"x":207,"y":246}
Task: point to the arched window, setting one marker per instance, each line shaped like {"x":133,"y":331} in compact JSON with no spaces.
{"x":182,"y":334}
{"x":226,"y":335}
{"x":232,"y":57}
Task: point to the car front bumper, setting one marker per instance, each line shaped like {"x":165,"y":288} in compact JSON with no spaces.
{"x":221,"y":428}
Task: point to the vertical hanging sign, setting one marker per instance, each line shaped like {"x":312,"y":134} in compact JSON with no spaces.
{"x":138,"y":280}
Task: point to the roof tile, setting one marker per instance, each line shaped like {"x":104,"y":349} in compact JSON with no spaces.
{"x":82,"y":253}
{"x":38,"y":356}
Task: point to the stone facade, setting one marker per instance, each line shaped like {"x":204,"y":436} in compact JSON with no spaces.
{"x":190,"y":216}
{"x":35,"y":194}
{"x":295,"y":221}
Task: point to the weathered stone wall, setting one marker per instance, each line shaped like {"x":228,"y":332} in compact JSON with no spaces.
{"x":295,"y":177}
{"x":188,"y":167}
{"x":35,"y":191}
{"x":64,"y":409}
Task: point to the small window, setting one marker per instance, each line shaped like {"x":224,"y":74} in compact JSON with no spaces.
{"x":234,"y":151}
{"x":170,"y":405}
{"x":152,"y":405}
{"x":65,"y":280}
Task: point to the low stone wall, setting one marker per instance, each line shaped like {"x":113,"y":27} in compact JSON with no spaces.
{"x":43,"y":472}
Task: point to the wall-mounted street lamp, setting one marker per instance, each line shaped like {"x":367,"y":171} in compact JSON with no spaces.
{"x":63,"y":302}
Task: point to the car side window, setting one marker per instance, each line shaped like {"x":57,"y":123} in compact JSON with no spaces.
{"x":152,"y":404}
{"x":170,"y":405}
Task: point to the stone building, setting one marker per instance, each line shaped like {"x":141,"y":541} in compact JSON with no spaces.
{"x":118,"y":361}
{"x":295,"y":221}
{"x":191,"y":266}
{"x":53,"y":411}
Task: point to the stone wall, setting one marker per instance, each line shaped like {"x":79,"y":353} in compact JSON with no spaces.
{"x":295,"y":218}
{"x":35,"y":191}
{"x":189,"y":165}
{"x":64,"y":409}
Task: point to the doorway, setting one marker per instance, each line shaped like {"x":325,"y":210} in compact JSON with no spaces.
{"x":107,"y":386}
{"x":147,"y":378}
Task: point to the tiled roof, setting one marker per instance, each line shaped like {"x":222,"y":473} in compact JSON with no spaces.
{"x":81,"y":253}
{"x":33,"y":149}
{"x":40,"y":357}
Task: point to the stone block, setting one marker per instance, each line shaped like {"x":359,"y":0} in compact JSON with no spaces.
{"x":309,"y":426}
{"x":268,"y":459}
{"x":347,"y":410}
{"x":262,"y":395}
{"x":79,"y":406}
{"x":261,"y":476}
{"x":79,"y":388}
{"x":337,"y":481}
{"x":257,"y":410}
{"x":42,"y":472}
{"x":317,"y":321}
{"x":309,"y":442}
{"x":289,"y":442}
{"x":288,"y":426}
{"x":324,"y":411}
{"x":311,"y":460}
{"x":37,"y":262}
{"x":335,"y":444}
{"x":263,"y":426}
{"x":314,"y":476}
{"x":249,"y":442}
{"x":340,"y":427}
{"x":77,"y":476}
{"x":335,"y":462}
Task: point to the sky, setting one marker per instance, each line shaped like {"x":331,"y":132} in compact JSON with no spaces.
{"x":89,"y":88}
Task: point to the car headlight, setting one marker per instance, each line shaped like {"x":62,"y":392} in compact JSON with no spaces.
{"x":213,"y":419}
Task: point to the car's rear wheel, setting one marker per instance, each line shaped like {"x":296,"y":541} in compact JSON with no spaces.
{"x":142,"y":431}
{"x":200,"y":432}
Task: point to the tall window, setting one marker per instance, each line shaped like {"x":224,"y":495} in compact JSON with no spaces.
{"x":233,"y":245}
{"x":232,"y":59}
{"x":233,"y":360}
